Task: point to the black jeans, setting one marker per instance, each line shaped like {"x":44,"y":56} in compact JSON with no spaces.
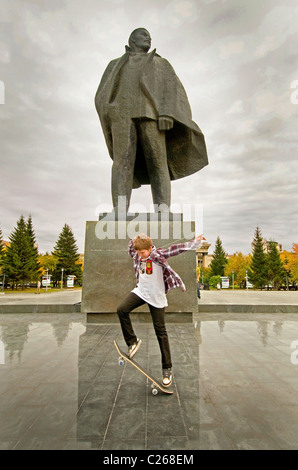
{"x":133,"y":301}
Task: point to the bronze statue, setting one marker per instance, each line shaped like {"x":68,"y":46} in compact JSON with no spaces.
{"x":147,"y":123}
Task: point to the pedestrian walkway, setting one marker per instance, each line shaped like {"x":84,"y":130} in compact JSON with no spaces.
{"x":235,"y":385}
{"x":212,"y":301}
{"x":63,"y":296}
{"x":247,"y":301}
{"x":249,"y":297}
{"x":63,"y":301}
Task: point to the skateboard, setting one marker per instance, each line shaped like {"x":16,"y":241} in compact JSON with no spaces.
{"x":155,"y":385}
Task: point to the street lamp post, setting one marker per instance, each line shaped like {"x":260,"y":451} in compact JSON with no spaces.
{"x":246,"y":279}
{"x":47,"y":280}
{"x":62,"y":278}
{"x":233,"y":278}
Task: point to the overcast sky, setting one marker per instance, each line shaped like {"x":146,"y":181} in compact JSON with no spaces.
{"x":237,"y":61}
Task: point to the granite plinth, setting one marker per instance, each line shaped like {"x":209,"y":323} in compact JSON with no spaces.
{"x":108,"y":269}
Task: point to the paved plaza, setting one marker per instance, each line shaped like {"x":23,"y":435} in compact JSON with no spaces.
{"x":208,"y":297}
{"x":235,"y":380}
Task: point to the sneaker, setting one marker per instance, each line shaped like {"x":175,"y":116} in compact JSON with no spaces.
{"x":133,"y":348}
{"x":167,"y":377}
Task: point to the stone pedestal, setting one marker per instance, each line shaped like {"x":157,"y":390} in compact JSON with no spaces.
{"x":108,"y":269}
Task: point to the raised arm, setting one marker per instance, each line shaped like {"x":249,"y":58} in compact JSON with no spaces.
{"x":179,"y":248}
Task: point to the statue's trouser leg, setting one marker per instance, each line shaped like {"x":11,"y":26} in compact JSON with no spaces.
{"x":154,"y":147}
{"x":124,"y":155}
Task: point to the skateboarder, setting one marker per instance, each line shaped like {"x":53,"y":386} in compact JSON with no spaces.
{"x":155,"y":278}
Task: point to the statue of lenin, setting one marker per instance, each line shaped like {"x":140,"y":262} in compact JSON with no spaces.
{"x":147,"y":123}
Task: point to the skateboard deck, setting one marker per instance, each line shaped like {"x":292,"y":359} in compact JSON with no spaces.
{"x":155,"y":385}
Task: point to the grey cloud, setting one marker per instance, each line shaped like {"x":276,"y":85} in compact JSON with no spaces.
{"x":54,"y":161}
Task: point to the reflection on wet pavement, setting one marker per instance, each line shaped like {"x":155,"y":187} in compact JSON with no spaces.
{"x":235,"y":385}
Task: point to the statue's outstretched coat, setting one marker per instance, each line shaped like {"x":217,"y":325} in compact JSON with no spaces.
{"x":186,"y":149}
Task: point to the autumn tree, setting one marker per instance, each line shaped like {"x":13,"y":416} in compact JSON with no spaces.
{"x":1,"y":253}
{"x":1,"y":245}
{"x":47,"y":262}
{"x":238,"y":264}
{"x":294,"y":263}
{"x":205,"y":275}
{"x":290,"y":261}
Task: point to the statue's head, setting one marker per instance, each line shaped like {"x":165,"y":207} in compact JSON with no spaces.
{"x":140,"y":40}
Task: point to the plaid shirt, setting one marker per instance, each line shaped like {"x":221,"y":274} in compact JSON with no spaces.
{"x":159,"y":256}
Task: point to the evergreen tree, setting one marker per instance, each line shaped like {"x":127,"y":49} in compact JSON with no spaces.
{"x":66,"y":253}
{"x":20,"y":257}
{"x":219,"y":260}
{"x":275,"y":267}
{"x":33,"y":263}
{"x":16,"y":257}
{"x":257,"y":272}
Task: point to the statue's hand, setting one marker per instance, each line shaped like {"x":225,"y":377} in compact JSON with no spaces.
{"x":165,"y":123}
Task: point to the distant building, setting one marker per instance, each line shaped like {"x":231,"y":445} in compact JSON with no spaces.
{"x":266,"y":245}
{"x":203,"y":259}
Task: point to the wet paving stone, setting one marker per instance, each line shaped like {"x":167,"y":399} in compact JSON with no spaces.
{"x":235,"y":385}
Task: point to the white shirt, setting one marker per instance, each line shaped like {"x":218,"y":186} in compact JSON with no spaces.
{"x":151,"y":287}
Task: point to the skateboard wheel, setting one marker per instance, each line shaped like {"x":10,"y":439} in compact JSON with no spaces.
{"x":154,"y":391}
{"x":121,"y":361}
